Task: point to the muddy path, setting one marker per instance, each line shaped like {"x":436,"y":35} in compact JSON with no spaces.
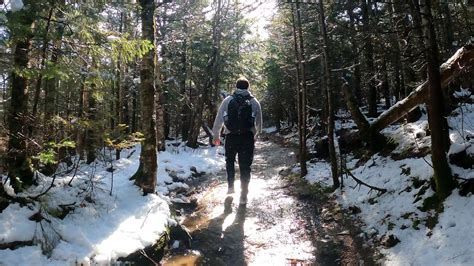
{"x":285,"y":222}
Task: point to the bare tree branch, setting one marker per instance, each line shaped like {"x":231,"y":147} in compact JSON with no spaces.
{"x":360,"y":182}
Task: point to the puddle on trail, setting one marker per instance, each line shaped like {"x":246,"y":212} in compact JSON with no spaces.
{"x":191,"y":257}
{"x":267,"y":231}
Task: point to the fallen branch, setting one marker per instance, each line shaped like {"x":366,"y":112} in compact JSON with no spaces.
{"x":360,"y":183}
{"x":16,"y":244}
{"x":46,"y":191}
{"x":460,"y":63}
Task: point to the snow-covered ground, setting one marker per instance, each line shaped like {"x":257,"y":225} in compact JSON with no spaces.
{"x":397,"y":213}
{"x":110,"y":219}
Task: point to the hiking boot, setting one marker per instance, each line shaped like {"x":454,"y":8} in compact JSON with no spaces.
{"x":230,"y":190}
{"x":243,"y":199}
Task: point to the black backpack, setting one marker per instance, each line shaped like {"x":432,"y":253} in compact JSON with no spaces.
{"x":239,"y":119}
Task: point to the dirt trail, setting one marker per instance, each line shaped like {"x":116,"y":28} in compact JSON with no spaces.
{"x":280,"y":225}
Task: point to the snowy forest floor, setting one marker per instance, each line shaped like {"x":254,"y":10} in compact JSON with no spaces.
{"x":286,"y":221}
{"x":93,"y":214}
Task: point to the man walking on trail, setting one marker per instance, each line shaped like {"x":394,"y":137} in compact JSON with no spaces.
{"x":241,"y":115}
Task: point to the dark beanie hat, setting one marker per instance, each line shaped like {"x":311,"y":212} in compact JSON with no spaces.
{"x":242,"y":83}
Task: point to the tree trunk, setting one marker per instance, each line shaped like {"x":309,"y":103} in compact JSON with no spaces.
{"x":145,"y":177}
{"x":195,"y":117}
{"x":385,"y":88}
{"x":403,"y":49}
{"x":374,"y":140}
{"x":460,"y":63}
{"x":90,"y":141}
{"x":327,"y":81}
{"x":356,"y":81}
{"x":80,"y":137}
{"x":160,"y":97}
{"x":50,"y":92}
{"x":436,"y":119}
{"x":212,"y":94}
{"x":18,"y":162}
{"x":304,"y":170}
{"x":356,"y":113}
{"x":448,"y":29}
{"x":160,"y":120}
{"x":184,"y":112}
{"x":300,"y":104}
{"x":369,"y":60}
{"x":135,"y":110}
{"x":119,"y":102}
{"x":124,"y":98}
{"x":42,"y":65}
{"x":418,"y":33}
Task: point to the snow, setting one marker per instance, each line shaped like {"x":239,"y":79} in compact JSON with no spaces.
{"x":397,"y":212}
{"x":319,"y":172}
{"x":112,"y":38}
{"x":106,"y":223}
{"x":269,"y":130}
{"x":26,"y":256}
{"x":463,"y":92}
{"x":451,"y":243}
{"x":14,"y":224}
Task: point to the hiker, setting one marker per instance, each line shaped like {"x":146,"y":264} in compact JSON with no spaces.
{"x":241,"y":115}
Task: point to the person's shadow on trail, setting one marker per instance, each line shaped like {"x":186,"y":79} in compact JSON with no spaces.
{"x":223,"y":247}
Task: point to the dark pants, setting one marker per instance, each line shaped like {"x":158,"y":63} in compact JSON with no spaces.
{"x":242,"y":145}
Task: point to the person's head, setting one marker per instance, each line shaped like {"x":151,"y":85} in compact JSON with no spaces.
{"x":242,"y":83}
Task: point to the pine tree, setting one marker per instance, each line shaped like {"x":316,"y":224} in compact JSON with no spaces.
{"x":145,"y":177}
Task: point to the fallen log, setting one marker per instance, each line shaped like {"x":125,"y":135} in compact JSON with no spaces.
{"x":16,"y":244}
{"x":461,"y":62}
{"x":356,"y":113}
{"x":372,"y":138}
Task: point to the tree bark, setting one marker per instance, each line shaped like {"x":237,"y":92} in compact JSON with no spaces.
{"x":80,"y":137}
{"x":145,"y":177}
{"x":184,"y":112}
{"x":160,"y":119}
{"x":90,"y":141}
{"x":195,"y":116}
{"x":436,"y":119}
{"x":448,"y":29}
{"x":213,"y":93}
{"x":356,"y":81}
{"x":44,"y":55}
{"x":304,"y":170}
{"x":50,"y":92}
{"x":374,"y":140}
{"x":356,"y":113}
{"x":384,"y":86}
{"x":120,"y":88}
{"x":460,"y":63}
{"x":369,"y":60}
{"x":135,"y":110}
{"x":18,"y":162}
{"x":160,"y":96}
{"x":300,"y":104}
{"x":327,"y":81}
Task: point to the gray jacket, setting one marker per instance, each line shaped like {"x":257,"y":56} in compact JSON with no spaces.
{"x":256,"y":113}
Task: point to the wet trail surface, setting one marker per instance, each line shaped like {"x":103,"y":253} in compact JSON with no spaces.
{"x":282,"y":223}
